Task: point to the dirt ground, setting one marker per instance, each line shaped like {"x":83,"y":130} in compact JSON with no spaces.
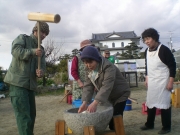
{"x":49,"y":110}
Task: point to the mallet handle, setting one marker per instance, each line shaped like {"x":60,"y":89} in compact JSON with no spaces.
{"x":64,"y":96}
{"x":44,"y":17}
{"x":133,"y":100}
{"x":39,"y":45}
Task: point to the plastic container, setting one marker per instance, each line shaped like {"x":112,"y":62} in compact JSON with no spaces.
{"x":144,"y":109}
{"x":69,"y":131}
{"x":69,"y":99}
{"x":77,"y":103}
{"x":128,"y":106}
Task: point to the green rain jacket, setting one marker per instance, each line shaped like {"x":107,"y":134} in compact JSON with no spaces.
{"x":22,"y":70}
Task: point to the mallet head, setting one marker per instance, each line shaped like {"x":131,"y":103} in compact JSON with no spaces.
{"x":44,"y":17}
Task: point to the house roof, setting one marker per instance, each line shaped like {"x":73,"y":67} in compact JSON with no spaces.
{"x":117,"y":48}
{"x":114,"y":36}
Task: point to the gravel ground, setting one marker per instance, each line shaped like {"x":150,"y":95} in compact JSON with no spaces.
{"x":49,"y":110}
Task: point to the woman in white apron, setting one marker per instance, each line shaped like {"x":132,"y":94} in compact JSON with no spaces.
{"x":160,"y":73}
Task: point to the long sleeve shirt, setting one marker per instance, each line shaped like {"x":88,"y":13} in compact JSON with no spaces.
{"x":74,"y":68}
{"x":166,"y":57}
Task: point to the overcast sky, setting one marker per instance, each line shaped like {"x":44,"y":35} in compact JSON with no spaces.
{"x":81,"y":18}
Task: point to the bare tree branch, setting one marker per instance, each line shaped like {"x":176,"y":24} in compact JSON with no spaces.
{"x":53,"y":51}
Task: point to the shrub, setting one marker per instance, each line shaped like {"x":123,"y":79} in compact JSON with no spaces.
{"x":64,"y":78}
{"x":48,"y":81}
{"x":177,"y":77}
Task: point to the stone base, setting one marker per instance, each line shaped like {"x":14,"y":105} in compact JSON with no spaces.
{"x":77,"y":121}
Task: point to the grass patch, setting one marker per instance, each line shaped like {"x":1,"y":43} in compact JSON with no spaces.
{"x":45,"y":92}
{"x":42,"y":92}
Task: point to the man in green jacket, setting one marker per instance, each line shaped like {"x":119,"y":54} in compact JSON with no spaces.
{"x":22,"y":74}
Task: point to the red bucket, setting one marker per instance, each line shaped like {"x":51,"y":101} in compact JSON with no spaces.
{"x":144,"y":109}
{"x":69,"y":99}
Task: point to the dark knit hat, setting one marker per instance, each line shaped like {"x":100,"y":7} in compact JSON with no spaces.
{"x":90,"y":52}
{"x":44,"y":27}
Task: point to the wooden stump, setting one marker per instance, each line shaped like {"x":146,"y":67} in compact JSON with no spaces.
{"x":89,"y":130}
{"x":177,"y":98}
{"x":119,"y":128}
{"x":60,"y":127}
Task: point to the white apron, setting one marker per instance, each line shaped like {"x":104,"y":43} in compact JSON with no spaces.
{"x":158,"y":76}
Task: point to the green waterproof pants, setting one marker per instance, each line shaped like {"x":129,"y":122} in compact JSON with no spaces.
{"x":23,"y":102}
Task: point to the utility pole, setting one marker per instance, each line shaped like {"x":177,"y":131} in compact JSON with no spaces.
{"x":171,"y":41}
{"x":168,"y":44}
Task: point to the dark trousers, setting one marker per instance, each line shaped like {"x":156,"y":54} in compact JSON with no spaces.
{"x":23,"y":102}
{"x":165,"y":118}
{"x":118,"y":110}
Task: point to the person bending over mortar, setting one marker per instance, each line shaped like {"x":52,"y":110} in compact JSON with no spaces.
{"x":107,"y":79}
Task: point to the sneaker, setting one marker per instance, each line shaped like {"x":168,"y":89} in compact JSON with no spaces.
{"x":164,"y":131}
{"x":146,"y":128}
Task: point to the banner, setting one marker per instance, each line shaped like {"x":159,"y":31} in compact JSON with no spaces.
{"x":69,"y":70}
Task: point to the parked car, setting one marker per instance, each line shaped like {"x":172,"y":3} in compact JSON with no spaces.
{"x":3,"y":86}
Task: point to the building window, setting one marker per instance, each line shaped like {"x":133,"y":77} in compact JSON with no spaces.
{"x":122,"y":51}
{"x":113,"y":44}
{"x":122,"y":44}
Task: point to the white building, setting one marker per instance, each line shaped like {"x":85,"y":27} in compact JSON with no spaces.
{"x":115,"y":41}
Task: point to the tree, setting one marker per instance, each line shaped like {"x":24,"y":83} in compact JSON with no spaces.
{"x":62,"y":66}
{"x":132,"y":51}
{"x":173,"y":50}
{"x":64,"y":77}
{"x":53,"y":52}
{"x":142,"y":55}
{"x":75,"y":52}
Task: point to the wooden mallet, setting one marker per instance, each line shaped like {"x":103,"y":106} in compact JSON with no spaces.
{"x":65,"y":96}
{"x":133,"y":100}
{"x":42,"y":17}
